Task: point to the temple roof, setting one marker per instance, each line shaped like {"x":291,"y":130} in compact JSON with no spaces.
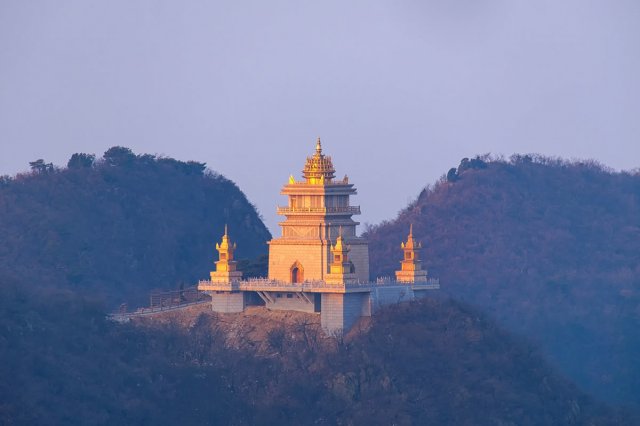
{"x":319,"y":167}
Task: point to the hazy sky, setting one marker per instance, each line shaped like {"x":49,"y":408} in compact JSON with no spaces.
{"x":398,"y":90}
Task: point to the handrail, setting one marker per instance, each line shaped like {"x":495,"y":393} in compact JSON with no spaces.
{"x":328,"y":182}
{"x":140,"y":312}
{"x":345,"y":209}
{"x":390,"y":280}
{"x":310,"y":285}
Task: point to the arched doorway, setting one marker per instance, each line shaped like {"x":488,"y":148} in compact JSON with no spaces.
{"x":297,"y":273}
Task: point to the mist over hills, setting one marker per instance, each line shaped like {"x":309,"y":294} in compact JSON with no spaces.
{"x":549,"y":248}
{"x":121,"y":225}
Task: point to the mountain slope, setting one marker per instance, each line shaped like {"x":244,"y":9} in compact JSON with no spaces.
{"x":423,"y":363}
{"x":550,"y":248}
{"x":117,"y":227}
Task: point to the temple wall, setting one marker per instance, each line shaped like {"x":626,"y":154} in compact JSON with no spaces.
{"x":227,"y":302}
{"x":359,"y":255}
{"x":313,"y":258}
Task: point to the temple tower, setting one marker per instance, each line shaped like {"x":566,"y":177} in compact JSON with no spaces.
{"x":225,"y":266}
{"x":318,"y":207}
{"x":411,"y":267}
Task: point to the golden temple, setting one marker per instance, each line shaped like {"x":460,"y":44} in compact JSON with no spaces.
{"x":319,"y":264}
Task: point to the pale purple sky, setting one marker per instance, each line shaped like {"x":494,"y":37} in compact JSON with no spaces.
{"x":399,"y":90}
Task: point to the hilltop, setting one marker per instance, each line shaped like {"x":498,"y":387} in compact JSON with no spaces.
{"x":550,"y":248}
{"x":530,"y":241}
{"x":118,"y":226}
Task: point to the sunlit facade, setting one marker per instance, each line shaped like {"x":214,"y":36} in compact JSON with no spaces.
{"x":318,"y":210}
{"x":319,"y":264}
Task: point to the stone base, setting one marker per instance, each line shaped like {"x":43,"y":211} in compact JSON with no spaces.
{"x":340,"y":311}
{"x":339,"y":308}
{"x":227,"y":302}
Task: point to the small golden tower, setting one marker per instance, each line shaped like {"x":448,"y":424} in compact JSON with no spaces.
{"x":225,"y":266}
{"x":411,"y":267}
{"x":341,"y":270}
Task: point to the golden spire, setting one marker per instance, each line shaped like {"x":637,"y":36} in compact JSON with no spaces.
{"x":225,"y":265}
{"x":225,"y":248}
{"x":411,"y":243}
{"x":319,"y":169}
{"x":341,"y":263}
{"x":339,"y":246}
{"x":411,"y":267}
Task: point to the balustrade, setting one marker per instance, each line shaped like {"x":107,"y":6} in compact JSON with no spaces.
{"x":347,"y":209}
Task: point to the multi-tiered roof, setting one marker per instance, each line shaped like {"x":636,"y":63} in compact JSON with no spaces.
{"x":319,"y":168}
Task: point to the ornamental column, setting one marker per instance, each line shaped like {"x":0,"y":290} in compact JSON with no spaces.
{"x":341,"y":269}
{"x":225,"y":266}
{"x":411,"y":267}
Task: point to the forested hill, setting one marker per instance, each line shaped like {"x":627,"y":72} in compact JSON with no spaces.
{"x":549,"y":248}
{"x":117,"y":226}
{"x":431,"y":363}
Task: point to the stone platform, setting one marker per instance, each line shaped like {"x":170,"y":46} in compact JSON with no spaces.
{"x":339,"y":305}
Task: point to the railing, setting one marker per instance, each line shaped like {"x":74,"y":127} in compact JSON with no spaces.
{"x":430,"y":283}
{"x":140,"y":312}
{"x":173,"y":298}
{"x":163,"y":301}
{"x":262,"y":283}
{"x":326,"y":182}
{"x":433,"y":283}
{"x":179,"y":299}
{"x":346,"y":209}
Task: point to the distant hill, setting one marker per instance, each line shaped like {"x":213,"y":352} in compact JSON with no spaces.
{"x":424,"y":363}
{"x":121,"y":225}
{"x":549,"y":248}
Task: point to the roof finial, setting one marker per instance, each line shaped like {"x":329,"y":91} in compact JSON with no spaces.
{"x":340,"y":232}
{"x":319,"y":147}
{"x":411,"y":229}
{"x":225,"y":229}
